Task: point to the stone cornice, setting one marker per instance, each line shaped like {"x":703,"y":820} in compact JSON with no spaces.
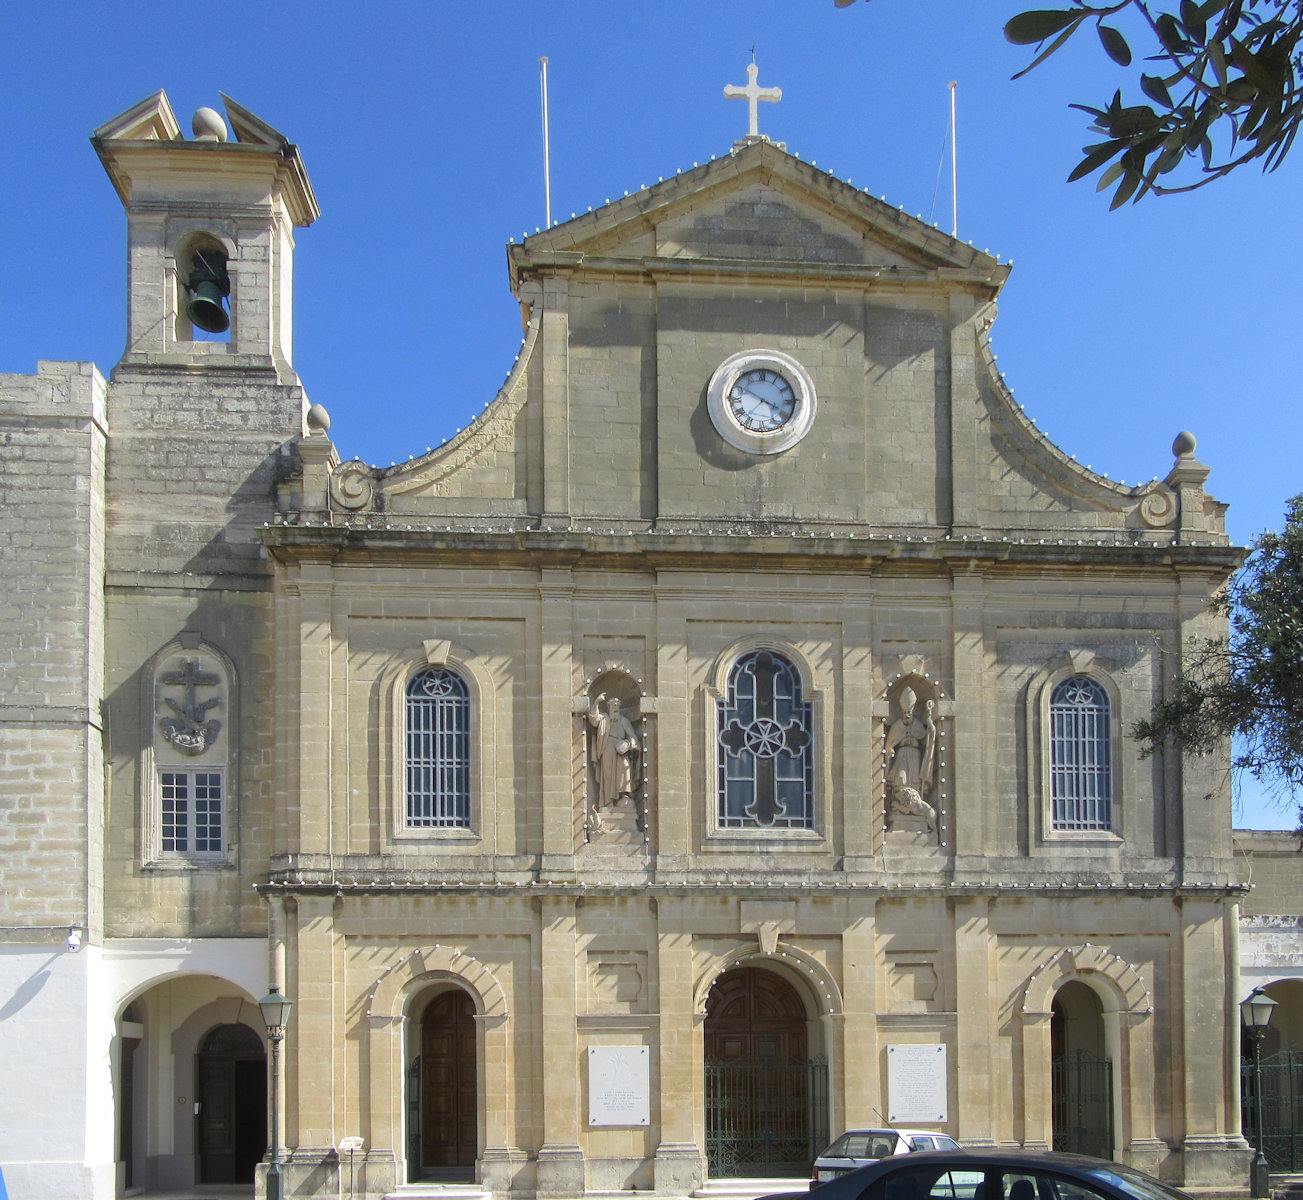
{"x":774,"y":549}
{"x":984,"y":280}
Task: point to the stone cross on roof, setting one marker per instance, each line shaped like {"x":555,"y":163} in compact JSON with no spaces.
{"x":753,"y":93}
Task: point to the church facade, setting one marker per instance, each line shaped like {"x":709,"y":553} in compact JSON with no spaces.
{"x":720,"y":743}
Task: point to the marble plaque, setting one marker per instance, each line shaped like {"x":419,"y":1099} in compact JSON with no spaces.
{"x":619,"y":1086}
{"x":916,"y":1084}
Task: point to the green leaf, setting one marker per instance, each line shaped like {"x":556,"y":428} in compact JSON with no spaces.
{"x":1044,"y":54}
{"x":1115,"y":45}
{"x":1169,"y":33}
{"x":1096,"y":156}
{"x":1114,"y":172}
{"x":1130,"y":181}
{"x":1193,"y":20}
{"x":1156,"y":90}
{"x":1038,"y":24}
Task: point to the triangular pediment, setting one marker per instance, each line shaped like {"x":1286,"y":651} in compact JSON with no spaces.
{"x":249,"y":128}
{"x":758,"y":204}
{"x":152,"y":120}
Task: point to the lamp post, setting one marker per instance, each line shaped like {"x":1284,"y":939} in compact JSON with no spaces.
{"x":275,"y":1015}
{"x":1255,"y":1010}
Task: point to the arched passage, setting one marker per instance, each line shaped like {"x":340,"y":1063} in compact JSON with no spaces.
{"x":763,"y":1091}
{"x":1081,"y":1073}
{"x":443,"y":1130}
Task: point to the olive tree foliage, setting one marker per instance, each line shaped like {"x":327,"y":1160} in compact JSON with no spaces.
{"x":1225,"y":88}
{"x":1249,"y":683}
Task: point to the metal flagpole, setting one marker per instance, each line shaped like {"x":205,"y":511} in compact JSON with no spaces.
{"x":547,"y":168}
{"x":954,"y":170}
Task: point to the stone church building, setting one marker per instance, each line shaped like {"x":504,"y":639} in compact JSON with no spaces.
{"x":720,"y":743}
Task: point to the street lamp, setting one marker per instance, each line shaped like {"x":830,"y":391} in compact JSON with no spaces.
{"x":275,"y":1015}
{"x":1255,"y":1010}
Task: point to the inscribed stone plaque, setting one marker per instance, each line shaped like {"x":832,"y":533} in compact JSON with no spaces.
{"x":619,"y":1087}
{"x":916,"y":1084}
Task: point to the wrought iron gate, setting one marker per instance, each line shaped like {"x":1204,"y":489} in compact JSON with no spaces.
{"x":1082,"y":1088}
{"x":1281,"y":1137}
{"x":765,"y":1117}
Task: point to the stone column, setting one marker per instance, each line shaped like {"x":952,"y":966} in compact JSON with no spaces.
{"x":1209,"y":1148}
{"x":673,"y":809}
{"x":860,"y":789}
{"x":560,"y":1159}
{"x":310,"y":715}
{"x":861,"y":1054}
{"x":680,"y":1165}
{"x":313,"y":1032}
{"x":556,"y":719}
{"x":556,"y":403}
{"x":976,"y":1031}
{"x":973,"y":788}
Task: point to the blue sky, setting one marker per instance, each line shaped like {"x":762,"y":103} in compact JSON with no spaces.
{"x":419,"y":124}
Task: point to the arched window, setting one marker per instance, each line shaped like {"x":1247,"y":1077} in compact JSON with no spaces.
{"x":765,"y":777}
{"x":1081,"y":756}
{"x":438,"y":750}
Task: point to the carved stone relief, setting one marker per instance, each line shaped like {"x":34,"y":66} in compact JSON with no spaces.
{"x":186,"y":694}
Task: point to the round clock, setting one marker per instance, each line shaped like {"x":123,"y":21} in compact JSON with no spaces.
{"x":761,"y":401}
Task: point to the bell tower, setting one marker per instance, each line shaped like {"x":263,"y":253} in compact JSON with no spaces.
{"x":210,"y":229}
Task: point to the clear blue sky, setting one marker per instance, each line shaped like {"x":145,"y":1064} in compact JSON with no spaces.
{"x":419,"y":124}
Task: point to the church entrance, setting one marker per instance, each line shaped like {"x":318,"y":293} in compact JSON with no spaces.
{"x":447,"y":1080}
{"x":766,"y":1099}
{"x":231,"y":1089}
{"x":1081,"y":1076}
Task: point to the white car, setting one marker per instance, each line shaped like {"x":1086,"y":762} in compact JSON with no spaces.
{"x":857,"y":1147}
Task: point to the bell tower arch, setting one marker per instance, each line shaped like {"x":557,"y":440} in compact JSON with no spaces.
{"x":210,"y":224}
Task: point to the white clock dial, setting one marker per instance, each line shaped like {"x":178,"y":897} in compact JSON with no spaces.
{"x":762,"y":400}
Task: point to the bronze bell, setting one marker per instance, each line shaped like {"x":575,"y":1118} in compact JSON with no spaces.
{"x":209,"y":284}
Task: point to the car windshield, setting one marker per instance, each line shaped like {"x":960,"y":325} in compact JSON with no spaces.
{"x":1134,"y":1183}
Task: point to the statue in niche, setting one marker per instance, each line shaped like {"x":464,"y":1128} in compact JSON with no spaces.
{"x":615,"y":753}
{"x":911,"y":757}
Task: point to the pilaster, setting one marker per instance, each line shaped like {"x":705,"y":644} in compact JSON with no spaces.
{"x":557,"y":649}
{"x":680,"y":1165}
{"x":975,"y":1021}
{"x":560,"y":1159}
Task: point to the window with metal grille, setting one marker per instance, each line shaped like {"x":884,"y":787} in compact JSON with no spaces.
{"x":438,"y":750}
{"x":765,"y":776}
{"x":191,"y":812}
{"x":1081,"y":762}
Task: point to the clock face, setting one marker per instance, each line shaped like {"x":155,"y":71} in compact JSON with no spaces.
{"x":761,"y":400}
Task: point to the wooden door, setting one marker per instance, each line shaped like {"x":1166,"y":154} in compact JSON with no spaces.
{"x":448,"y":1086}
{"x":231,"y":1090}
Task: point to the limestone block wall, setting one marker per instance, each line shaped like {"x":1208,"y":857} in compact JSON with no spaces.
{"x":193,"y":470}
{"x":52,"y":515}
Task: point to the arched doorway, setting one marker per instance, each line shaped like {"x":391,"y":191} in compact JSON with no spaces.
{"x":1279,"y":1067}
{"x":765,"y":1097}
{"x":445,"y":1077}
{"x":231,"y":1091}
{"x":1081,"y":1073}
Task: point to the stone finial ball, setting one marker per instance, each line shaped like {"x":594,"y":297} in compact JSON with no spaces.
{"x":318,"y":419}
{"x":1184,"y":445}
{"x":208,"y":125}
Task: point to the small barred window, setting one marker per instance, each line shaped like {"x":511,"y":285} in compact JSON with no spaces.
{"x":438,"y":751}
{"x":1081,"y":764}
